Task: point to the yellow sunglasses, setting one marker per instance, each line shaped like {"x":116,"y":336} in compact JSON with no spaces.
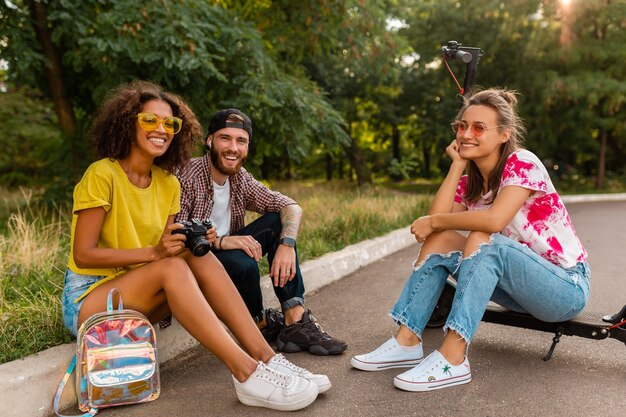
{"x":150,"y":122}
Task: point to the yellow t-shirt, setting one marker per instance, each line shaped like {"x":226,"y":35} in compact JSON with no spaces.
{"x":135,"y":217}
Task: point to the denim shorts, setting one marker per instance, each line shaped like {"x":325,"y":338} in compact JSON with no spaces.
{"x":75,"y":286}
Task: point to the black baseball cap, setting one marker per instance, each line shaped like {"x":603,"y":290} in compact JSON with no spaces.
{"x":220,"y":121}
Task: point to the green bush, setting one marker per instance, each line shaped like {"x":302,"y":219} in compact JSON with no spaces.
{"x":30,"y":139}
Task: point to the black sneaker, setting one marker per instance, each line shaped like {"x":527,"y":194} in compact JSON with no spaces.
{"x":307,"y":334}
{"x":274,"y":322}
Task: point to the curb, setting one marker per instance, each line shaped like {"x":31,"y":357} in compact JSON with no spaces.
{"x":28,"y":385}
{"x":593,"y":198}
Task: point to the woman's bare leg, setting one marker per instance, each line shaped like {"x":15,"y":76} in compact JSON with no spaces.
{"x":439,"y":242}
{"x":225,"y":300}
{"x":171,"y":281}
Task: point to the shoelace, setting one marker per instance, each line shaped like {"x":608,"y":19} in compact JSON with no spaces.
{"x":313,"y":321}
{"x":280,"y":358}
{"x":277,"y":378}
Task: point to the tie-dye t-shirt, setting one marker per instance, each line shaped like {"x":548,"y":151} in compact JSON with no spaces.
{"x":542,"y":223}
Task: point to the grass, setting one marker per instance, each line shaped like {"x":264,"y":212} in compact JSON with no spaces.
{"x":33,"y":251}
{"x":34,"y":244}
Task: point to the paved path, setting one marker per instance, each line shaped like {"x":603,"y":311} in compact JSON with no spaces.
{"x":584,"y":377}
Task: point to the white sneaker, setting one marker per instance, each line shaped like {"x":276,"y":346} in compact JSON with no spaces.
{"x":266,"y":387}
{"x":281,"y":364}
{"x":434,"y":372}
{"x":389,"y":355}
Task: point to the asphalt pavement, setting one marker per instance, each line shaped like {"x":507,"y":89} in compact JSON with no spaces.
{"x":583,"y":378}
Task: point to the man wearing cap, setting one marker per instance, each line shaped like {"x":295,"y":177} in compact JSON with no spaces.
{"x":217,"y":187}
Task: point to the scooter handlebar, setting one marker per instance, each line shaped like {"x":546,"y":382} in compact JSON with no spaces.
{"x":463,"y":56}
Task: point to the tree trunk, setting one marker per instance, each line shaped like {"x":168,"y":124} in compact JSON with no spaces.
{"x":329,"y":166}
{"x":426,"y":157}
{"x":54,"y":70}
{"x":287,"y":172}
{"x":357,"y":160}
{"x":395,"y":142}
{"x":601,"y":161}
{"x":618,"y":155}
{"x":395,"y":149}
{"x":340,"y":167}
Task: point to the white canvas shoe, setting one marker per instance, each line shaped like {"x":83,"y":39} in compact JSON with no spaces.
{"x":269,"y":388}
{"x":389,"y":355}
{"x":280,"y":363}
{"x":434,"y":372}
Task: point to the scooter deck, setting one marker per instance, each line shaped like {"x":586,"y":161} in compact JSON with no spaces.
{"x":588,"y":324}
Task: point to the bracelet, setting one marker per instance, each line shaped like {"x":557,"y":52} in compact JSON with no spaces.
{"x":221,"y":237}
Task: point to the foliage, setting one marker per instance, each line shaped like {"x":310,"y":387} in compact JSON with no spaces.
{"x":31,"y":140}
{"x":403,"y":168}
{"x":591,"y":92}
{"x":331,"y":81}
{"x":205,"y":53}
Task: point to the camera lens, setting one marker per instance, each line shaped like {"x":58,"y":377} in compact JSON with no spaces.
{"x":199,"y":246}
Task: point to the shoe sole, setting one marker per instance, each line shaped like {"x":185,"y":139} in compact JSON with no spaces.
{"x":291,"y":347}
{"x":297,"y":405}
{"x":381,"y":366}
{"x":325,"y":387}
{"x":430,"y":386}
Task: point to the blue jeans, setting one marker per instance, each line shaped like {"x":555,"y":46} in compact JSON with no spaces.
{"x":503,"y":271}
{"x":244,"y":270}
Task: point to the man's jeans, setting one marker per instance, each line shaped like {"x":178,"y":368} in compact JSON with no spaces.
{"x":244,"y":270}
{"x":503,"y":271}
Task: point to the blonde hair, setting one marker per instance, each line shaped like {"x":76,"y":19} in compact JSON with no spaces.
{"x":504,"y":103}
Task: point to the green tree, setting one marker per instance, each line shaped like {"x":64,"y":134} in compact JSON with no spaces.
{"x":207,"y":54}
{"x":345,"y":47}
{"x":586,"y":82}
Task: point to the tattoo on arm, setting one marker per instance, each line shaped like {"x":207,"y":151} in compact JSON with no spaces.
{"x":290,"y":218}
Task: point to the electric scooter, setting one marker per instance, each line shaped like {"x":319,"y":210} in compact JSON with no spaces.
{"x":588,"y":324}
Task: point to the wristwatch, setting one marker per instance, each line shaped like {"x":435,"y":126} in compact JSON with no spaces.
{"x":287,"y":241}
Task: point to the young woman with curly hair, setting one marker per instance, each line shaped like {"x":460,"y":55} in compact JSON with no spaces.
{"x":122,"y":223}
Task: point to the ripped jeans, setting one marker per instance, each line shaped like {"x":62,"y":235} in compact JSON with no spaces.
{"x":503,"y":271}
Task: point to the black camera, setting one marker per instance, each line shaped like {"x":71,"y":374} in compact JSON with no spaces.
{"x":195,"y":231}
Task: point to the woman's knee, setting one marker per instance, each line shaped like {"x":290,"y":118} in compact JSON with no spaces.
{"x":444,"y":242}
{"x":473,"y":242}
{"x":173,"y":268}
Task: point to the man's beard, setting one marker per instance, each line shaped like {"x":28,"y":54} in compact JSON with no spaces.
{"x":217,"y":163}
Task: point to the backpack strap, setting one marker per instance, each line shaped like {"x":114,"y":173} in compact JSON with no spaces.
{"x":57,"y":396}
{"x":120,"y":304}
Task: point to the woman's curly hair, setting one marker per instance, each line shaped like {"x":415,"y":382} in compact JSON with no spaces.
{"x":114,"y":127}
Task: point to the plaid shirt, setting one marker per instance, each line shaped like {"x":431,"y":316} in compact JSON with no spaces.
{"x":246,"y":193}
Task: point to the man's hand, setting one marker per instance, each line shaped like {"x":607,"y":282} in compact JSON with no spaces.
{"x":211,"y":236}
{"x":246,"y":243}
{"x":283,"y":267}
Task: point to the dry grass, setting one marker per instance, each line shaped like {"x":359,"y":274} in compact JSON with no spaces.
{"x":33,"y":251}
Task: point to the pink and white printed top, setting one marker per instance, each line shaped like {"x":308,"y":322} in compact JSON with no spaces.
{"x":542,"y":223}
